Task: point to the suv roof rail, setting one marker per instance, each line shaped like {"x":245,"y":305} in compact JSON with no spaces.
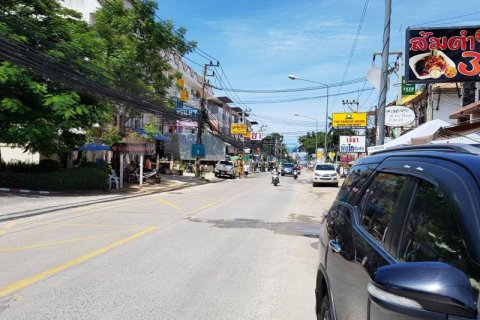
{"x":442,"y":147}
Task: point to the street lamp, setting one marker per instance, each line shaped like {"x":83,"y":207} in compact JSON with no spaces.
{"x":293,"y":77}
{"x":316,"y":132}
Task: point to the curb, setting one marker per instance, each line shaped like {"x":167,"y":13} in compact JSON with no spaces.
{"x":116,"y":197}
{"x":27,"y":191}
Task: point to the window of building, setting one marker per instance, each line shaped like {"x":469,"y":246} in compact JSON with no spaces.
{"x":379,"y":202}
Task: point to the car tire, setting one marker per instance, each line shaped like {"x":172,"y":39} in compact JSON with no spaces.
{"x":336,"y":185}
{"x":314,"y":184}
{"x":324,"y":313}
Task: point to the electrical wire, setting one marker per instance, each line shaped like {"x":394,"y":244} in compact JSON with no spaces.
{"x":354,"y":45}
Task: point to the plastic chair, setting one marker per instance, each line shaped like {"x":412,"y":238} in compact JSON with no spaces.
{"x":113,"y":179}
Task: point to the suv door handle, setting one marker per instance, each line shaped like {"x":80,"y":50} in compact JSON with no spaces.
{"x":336,"y":247}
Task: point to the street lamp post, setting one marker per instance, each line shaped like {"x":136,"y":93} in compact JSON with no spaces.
{"x":316,"y":132}
{"x":293,"y":77}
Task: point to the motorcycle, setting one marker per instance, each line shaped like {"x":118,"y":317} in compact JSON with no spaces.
{"x":295,"y":174}
{"x":275,"y":178}
{"x":151,"y":177}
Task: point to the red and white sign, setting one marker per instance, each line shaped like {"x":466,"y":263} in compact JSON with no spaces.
{"x":255,"y":136}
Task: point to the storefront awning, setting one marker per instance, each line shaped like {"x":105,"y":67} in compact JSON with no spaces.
{"x":472,"y":108}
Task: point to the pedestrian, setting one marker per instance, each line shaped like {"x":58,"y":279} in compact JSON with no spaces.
{"x":246,"y":169}
{"x":148,"y":164}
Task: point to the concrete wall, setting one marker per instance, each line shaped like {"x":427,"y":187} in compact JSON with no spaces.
{"x":10,"y":154}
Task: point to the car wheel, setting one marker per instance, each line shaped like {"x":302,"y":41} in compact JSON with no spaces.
{"x":336,"y":185}
{"x":314,"y":184}
{"x":324,"y":309}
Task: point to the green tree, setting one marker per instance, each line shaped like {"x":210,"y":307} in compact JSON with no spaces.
{"x":137,"y":49}
{"x":308,"y":141}
{"x":273,"y":145}
{"x":37,"y":113}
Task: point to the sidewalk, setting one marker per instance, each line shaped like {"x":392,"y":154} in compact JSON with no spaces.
{"x":169,"y":182}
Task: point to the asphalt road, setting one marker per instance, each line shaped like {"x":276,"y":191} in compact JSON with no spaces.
{"x":238,"y":249}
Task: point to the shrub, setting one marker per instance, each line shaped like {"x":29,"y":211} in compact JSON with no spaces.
{"x":47,"y":165}
{"x":20,"y":167}
{"x":86,"y":178}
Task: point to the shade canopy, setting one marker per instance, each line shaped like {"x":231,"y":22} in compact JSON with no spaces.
{"x":157,"y":136}
{"x":94,"y":147}
{"x":426,"y":132}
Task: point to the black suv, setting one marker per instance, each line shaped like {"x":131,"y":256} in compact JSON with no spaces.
{"x":402,"y":239}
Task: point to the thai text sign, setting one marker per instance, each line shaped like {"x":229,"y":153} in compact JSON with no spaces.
{"x":349,"y":144}
{"x":187,"y":111}
{"x":134,"y":148}
{"x":238,"y":128}
{"x":442,"y":54}
{"x":398,"y":116}
{"x":349,"y":120}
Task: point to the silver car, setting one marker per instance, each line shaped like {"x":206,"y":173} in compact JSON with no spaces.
{"x":325,"y":173}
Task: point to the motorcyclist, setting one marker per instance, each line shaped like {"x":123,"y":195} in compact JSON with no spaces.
{"x":275,"y":171}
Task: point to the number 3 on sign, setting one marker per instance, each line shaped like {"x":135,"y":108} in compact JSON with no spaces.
{"x":475,"y":64}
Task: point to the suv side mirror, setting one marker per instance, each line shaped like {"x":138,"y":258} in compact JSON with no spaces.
{"x":413,"y":287}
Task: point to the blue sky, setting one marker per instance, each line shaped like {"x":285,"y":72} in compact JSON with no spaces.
{"x":260,"y":42}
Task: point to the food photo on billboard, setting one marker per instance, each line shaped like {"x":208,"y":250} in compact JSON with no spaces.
{"x":442,"y":54}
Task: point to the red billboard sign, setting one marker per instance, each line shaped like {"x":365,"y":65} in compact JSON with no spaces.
{"x":442,"y":54}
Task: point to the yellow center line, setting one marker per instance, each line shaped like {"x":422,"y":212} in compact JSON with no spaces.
{"x":97,"y":225}
{"x":168,"y":203}
{"x":7,"y":226}
{"x":53,"y":243}
{"x":206,"y":206}
{"x":43,"y":275}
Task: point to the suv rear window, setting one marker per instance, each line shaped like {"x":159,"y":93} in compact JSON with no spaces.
{"x":432,"y":233}
{"x":379,"y":203}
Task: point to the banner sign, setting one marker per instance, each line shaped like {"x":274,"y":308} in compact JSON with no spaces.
{"x":247,"y":135}
{"x":134,"y":148}
{"x":257,"y":136}
{"x":349,"y":120}
{"x":352,"y":144}
{"x":188,"y":112}
{"x":398,"y":116}
{"x":238,"y":128}
{"x":445,"y":54}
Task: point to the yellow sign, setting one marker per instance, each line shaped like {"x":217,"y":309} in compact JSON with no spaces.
{"x":180,"y":83}
{"x":238,"y":128}
{"x":184,"y":95}
{"x":349,"y":119}
{"x":247,"y":135}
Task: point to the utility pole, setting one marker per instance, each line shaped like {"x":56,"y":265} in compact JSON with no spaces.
{"x":382,"y":100}
{"x":350,"y":104}
{"x":202,"y":115}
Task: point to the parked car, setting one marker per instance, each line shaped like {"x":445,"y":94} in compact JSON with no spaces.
{"x":324,"y":173}
{"x":287,"y":168}
{"x":402,"y":239}
{"x":226,"y":168}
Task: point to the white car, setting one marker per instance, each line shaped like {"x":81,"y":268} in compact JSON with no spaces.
{"x":325,"y":173}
